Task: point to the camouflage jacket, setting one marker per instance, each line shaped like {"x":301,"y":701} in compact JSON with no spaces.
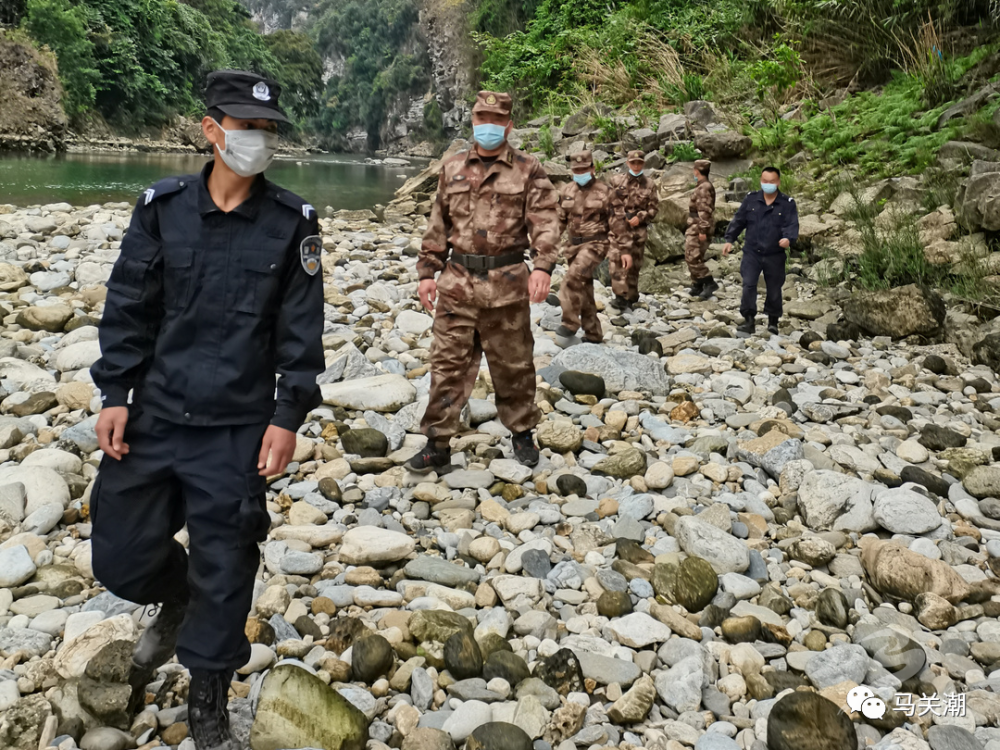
{"x":701,"y":213}
{"x":639,"y":196}
{"x":593,"y":211}
{"x":502,"y":207}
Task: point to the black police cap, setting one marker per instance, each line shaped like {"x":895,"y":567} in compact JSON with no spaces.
{"x":244,"y":95}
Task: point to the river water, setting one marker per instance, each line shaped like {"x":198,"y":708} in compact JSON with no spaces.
{"x":342,"y":181}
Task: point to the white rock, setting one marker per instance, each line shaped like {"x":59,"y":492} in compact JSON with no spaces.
{"x":726,"y":553}
{"x":413,"y":322}
{"x":904,"y":511}
{"x":16,"y":566}
{"x":365,"y":545}
{"x":73,"y":656}
{"x":23,"y":373}
{"x":510,"y":470}
{"x":62,"y":461}
{"x":261,"y":658}
{"x":659,"y":475}
{"x":384,"y":393}
{"x":42,"y":485}
{"x":463,"y":722}
{"x":638,"y":630}
{"x":77,"y":356}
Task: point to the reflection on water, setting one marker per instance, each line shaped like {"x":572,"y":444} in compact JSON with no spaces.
{"x":338,"y":180}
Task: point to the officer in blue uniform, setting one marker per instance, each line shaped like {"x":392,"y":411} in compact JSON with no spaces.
{"x":771,"y":220}
{"x":217,"y":294}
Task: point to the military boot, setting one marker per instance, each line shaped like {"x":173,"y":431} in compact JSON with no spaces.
{"x":525,"y":449}
{"x":772,"y":326}
{"x":696,"y":287}
{"x":746,"y":328}
{"x":155,"y":647}
{"x":433,"y":457}
{"x":709,"y":288}
{"x":620,"y":303}
{"x":208,"y":711}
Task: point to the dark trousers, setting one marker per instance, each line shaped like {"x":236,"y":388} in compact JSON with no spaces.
{"x":772,"y":266}
{"x":205,"y":477}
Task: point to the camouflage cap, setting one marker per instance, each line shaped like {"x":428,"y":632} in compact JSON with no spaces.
{"x":703,"y":165}
{"x":492,"y":101}
{"x":581,"y":159}
{"x":636,"y":156}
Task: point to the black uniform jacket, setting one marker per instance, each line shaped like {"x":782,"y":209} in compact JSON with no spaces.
{"x":766,"y":225}
{"x":205,"y":308}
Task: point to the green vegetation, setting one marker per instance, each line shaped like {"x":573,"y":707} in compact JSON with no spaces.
{"x":141,"y":63}
{"x":372,"y":39}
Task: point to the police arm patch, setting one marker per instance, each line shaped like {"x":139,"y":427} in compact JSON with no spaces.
{"x":310,"y":252}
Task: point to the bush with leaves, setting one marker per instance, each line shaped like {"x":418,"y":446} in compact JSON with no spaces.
{"x":63,"y":27}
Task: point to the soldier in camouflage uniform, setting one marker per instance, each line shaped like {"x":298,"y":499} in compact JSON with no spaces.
{"x":589,"y":209}
{"x":489,"y":200}
{"x":639,"y":195}
{"x":700,"y":230}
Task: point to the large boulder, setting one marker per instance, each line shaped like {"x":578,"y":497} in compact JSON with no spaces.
{"x":987,"y":352}
{"x":665,"y":243}
{"x":898,"y":312}
{"x":808,"y":721}
{"x":897,"y":572}
{"x":297,"y":709}
{"x":621,"y":370}
{"x":727,"y":144}
{"x":977,"y":205}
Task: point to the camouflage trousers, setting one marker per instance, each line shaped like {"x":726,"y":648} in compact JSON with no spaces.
{"x":461,"y":335}
{"x":576,"y":295}
{"x":626,"y":283}
{"x":694,"y":253}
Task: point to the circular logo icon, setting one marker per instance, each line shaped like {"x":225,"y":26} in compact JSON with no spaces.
{"x":873,"y":708}
{"x":261,"y":92}
{"x":491,"y":100}
{"x":858,"y":696}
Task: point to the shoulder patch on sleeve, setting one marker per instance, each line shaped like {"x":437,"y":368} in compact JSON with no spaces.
{"x":292,"y":201}
{"x":310,"y":253}
{"x":164,"y":187}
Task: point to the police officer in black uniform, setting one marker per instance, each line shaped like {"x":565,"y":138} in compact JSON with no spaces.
{"x":217,"y":291}
{"x":771,"y":220}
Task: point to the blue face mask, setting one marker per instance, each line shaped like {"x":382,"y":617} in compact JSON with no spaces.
{"x":636,"y":174}
{"x":489,"y":136}
{"x":582,"y":179}
{"x":768,"y":187}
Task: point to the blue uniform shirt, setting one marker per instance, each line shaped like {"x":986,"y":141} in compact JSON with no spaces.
{"x":766,"y":225}
{"x":205,"y":308}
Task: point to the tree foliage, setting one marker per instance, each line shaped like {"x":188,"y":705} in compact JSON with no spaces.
{"x":140,"y":62}
{"x":381,"y":58}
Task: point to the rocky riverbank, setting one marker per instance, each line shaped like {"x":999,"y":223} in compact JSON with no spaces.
{"x":724,"y":536}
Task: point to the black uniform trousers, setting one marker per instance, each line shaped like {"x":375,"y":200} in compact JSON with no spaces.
{"x":205,"y":477}
{"x":773,"y":267}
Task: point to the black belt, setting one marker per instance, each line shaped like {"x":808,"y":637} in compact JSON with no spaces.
{"x":581,"y":240}
{"x":485,"y":263}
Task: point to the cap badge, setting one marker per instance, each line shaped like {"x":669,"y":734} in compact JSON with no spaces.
{"x":261,"y":92}
{"x":491,"y":100}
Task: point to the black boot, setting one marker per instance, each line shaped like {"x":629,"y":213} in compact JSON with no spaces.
{"x":525,"y":450}
{"x":696,"y":287}
{"x":746,"y":327}
{"x":709,"y":288}
{"x":565,"y":338}
{"x":208,"y":711}
{"x":772,"y":326}
{"x":155,"y":647}
{"x":433,"y":457}
{"x":619,"y":303}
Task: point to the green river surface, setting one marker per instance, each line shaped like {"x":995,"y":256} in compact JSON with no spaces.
{"x":342,"y":181}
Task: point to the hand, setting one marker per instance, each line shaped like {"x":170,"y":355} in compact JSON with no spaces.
{"x":785,"y":244}
{"x":428,"y":293}
{"x":626,"y":262}
{"x":728,"y":248}
{"x":538,"y":286}
{"x":276,"y":451}
{"x":110,"y":430}
{"x":634,"y":221}
{"x":703,"y":237}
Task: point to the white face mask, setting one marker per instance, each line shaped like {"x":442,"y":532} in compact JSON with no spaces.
{"x":248,"y":152}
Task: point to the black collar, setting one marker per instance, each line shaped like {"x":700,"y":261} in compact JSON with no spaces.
{"x":247,"y":208}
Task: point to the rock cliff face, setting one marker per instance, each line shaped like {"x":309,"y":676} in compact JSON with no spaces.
{"x":31,"y":113}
